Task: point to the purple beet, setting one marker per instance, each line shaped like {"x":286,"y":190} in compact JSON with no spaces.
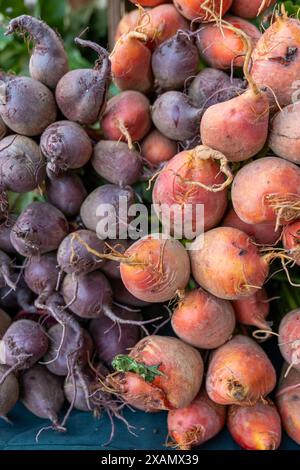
{"x":123,"y":296}
{"x":26,"y":105}
{"x":66,"y":146}
{"x":23,"y":344}
{"x":41,"y":275}
{"x":66,"y":193}
{"x":110,"y":339}
{"x":60,"y":352}
{"x":48,"y":61}
{"x":212,"y":86}
{"x":174,"y":115}
{"x":81,"y":93}
{"x":5,"y":230}
{"x":22,"y":166}
{"x":174,"y":61}
{"x":6,"y":271}
{"x":9,"y":391}
{"x":99,"y":210}
{"x":39,"y":229}
{"x":75,"y":256}
{"x":42,"y":394}
{"x":116,"y":163}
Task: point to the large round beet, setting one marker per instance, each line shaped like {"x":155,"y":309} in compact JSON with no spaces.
{"x":39,"y":229}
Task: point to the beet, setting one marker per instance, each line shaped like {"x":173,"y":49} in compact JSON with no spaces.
{"x":111,"y":268}
{"x":66,"y":146}
{"x":42,"y":393}
{"x":22,"y":166}
{"x":5,"y":322}
{"x":212,"y":86}
{"x":23,"y":344}
{"x":41,"y":274}
{"x":59,"y":353}
{"x":48,"y":61}
{"x":9,"y":391}
{"x":175,"y":116}
{"x":116,"y":163}
{"x":81,"y":93}
{"x":26,"y":106}
{"x":6,"y":271}
{"x":123,"y":296}
{"x":101,"y":196}
{"x":66,"y":193}
{"x":73,"y":255}
{"x":5,"y":230}
{"x":39,"y":229}
{"x":110,"y":339}
{"x":174,"y":61}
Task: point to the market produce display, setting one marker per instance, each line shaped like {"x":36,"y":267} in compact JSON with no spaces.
{"x":164,"y":307}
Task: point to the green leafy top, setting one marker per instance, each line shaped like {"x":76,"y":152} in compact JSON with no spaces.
{"x":123,"y":363}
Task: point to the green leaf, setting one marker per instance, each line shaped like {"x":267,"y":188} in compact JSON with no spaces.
{"x":19,"y":202}
{"x":123,"y":363}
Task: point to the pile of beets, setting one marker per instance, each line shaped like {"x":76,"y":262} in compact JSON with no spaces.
{"x":207,"y":114}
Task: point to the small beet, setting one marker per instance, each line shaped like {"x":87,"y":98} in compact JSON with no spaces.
{"x":123,"y":296}
{"x":9,"y":391}
{"x":39,"y":229}
{"x":66,"y":193}
{"x":287,"y":400}
{"x":66,"y":146}
{"x":202,"y":320}
{"x":22,"y":166}
{"x":253,"y":310}
{"x":257,"y":427}
{"x":111,"y":199}
{"x":58,"y":359}
{"x":116,"y":163}
{"x":42,"y":393}
{"x":197,"y":423}
{"x":48,"y":61}
{"x":175,"y":116}
{"x":81,"y":93}
{"x":5,"y":322}
{"x":74,"y":255}
{"x":26,"y":105}
{"x":127,"y":117}
{"x":174,"y":61}
{"x":111,"y":339}
{"x":213,"y":86}
{"x":23,"y":344}
{"x":41,"y":274}
{"x":157,"y":148}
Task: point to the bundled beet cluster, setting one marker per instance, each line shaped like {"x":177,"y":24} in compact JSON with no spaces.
{"x":206,"y":137}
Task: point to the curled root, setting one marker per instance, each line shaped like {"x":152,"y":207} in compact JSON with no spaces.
{"x":124,"y":131}
{"x":286,"y":207}
{"x":54,"y":427}
{"x":202,"y":152}
{"x":263,"y":334}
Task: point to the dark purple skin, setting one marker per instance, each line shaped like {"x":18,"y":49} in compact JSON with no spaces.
{"x":39,"y":229}
{"x":5,"y":229}
{"x":174,"y":115}
{"x":60,"y":365}
{"x":106,"y":194}
{"x":112,"y":268}
{"x":174,"y":61}
{"x":22,"y":166}
{"x":48,"y":61}
{"x":123,"y":296}
{"x":92,"y":292}
{"x":66,"y":193}
{"x":81,"y":94}
{"x":9,"y":391}
{"x":5,"y":322}
{"x":26,"y":105}
{"x":41,"y":274}
{"x":42,"y":393}
{"x":212,"y":86}
{"x":66,"y":146}
{"x":6,"y":271}
{"x":23,"y":344}
{"x":111,"y":339}
{"x":116,"y":163}
{"x":3,"y":128}
{"x":21,"y":298}
{"x":73,"y":255}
